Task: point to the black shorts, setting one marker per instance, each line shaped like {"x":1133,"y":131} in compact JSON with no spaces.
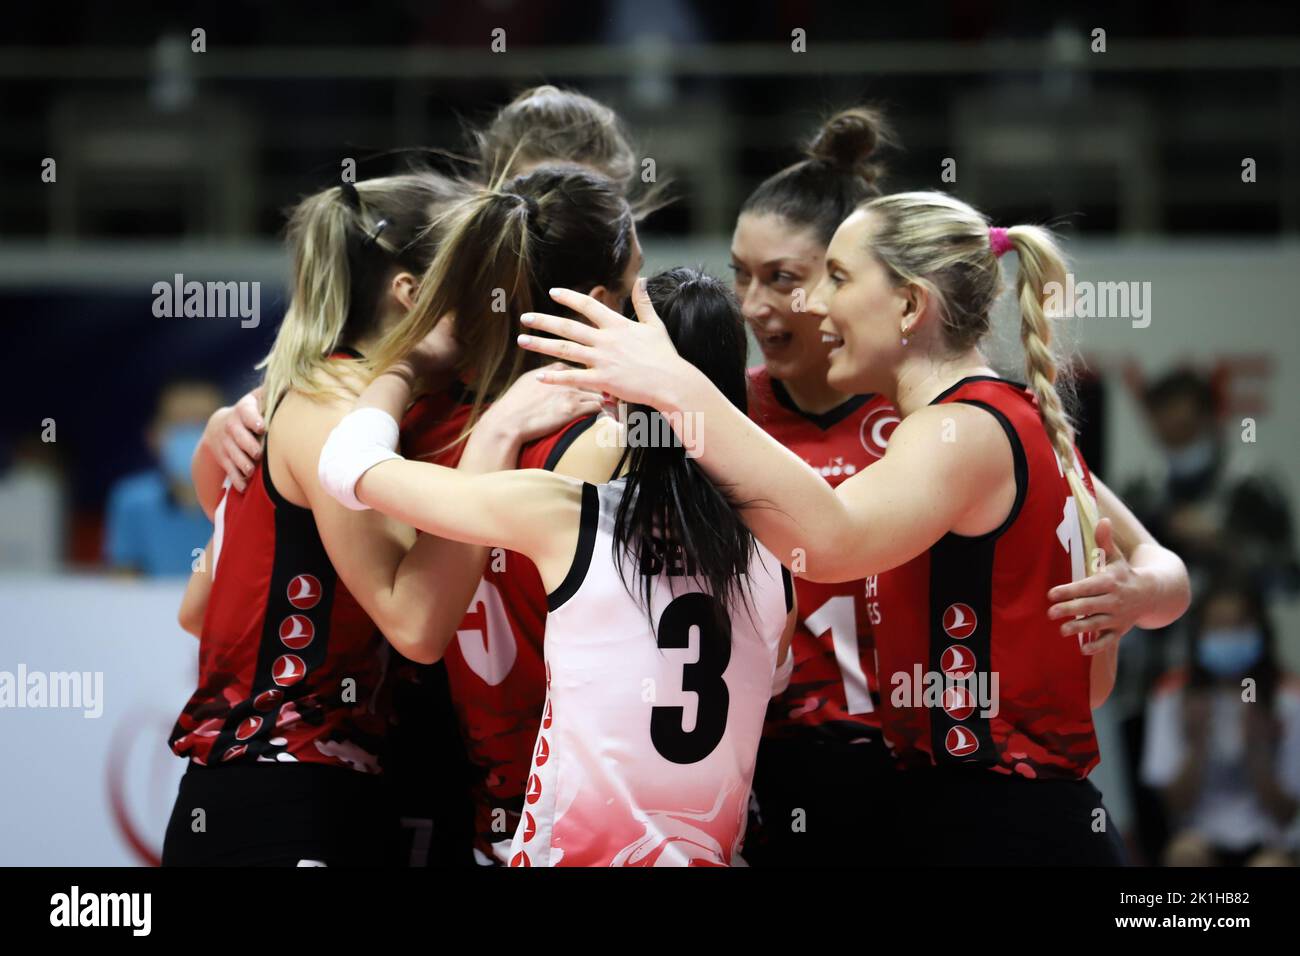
{"x":820,"y":803}
{"x":282,"y":814}
{"x":953,"y":816}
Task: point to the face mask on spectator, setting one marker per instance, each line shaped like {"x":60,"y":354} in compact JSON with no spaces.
{"x":177,"y":448}
{"x":1229,"y":651}
{"x":1191,"y":460}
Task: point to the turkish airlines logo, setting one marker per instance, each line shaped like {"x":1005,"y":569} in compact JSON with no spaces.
{"x":876,"y":428}
{"x":268,"y":699}
{"x":957,"y":663}
{"x":304,"y":592}
{"x":534,"y":792}
{"x":961,"y":742}
{"x":958,"y":702}
{"x":247,"y":727}
{"x":296,"y":631}
{"x":543,"y":751}
{"x":234,"y":752}
{"x":520,"y":859}
{"x":288,"y":669}
{"x":546,"y":718}
{"x":530,"y":826}
{"x":959,"y":621}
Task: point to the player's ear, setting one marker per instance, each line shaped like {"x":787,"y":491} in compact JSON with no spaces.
{"x":915,"y":302}
{"x":404,"y":288}
{"x":607,"y":297}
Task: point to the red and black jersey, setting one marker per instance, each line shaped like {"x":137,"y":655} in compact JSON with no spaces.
{"x":832,"y":691}
{"x":974,"y":670}
{"x":495,"y":666}
{"x":290,"y":666}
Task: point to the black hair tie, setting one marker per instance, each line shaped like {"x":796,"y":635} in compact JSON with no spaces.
{"x":351,"y":195}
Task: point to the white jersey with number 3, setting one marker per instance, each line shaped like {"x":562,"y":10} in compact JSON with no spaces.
{"x":647,"y":743}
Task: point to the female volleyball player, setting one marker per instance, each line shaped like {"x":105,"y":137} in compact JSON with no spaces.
{"x":666,"y":624}
{"x":493,"y":669}
{"x":979,"y":508}
{"x":521,"y":238}
{"x":285,"y":730}
{"x":821,"y":744}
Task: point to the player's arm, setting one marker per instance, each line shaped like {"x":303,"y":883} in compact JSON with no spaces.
{"x":876,"y":520}
{"x":532,"y":511}
{"x":194,"y":603}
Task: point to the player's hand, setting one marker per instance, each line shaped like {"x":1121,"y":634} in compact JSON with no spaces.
{"x":530,"y":408}
{"x":1108,"y":603}
{"x":233,"y":436}
{"x":634,"y":361}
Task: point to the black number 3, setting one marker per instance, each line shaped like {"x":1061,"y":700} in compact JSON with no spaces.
{"x":704,"y":677}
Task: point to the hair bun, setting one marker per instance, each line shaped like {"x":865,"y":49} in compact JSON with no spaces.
{"x":849,"y":138}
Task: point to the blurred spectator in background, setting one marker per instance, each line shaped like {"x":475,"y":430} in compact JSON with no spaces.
{"x":32,"y":507}
{"x":1224,"y":752}
{"x":1206,"y":508}
{"x":154,"y":519}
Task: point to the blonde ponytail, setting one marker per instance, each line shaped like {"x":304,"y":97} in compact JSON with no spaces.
{"x":345,"y":242}
{"x":1041,"y":263}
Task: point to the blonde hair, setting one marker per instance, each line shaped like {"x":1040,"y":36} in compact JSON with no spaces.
{"x":345,"y":242}
{"x":942,"y":244}
{"x":502,"y":249}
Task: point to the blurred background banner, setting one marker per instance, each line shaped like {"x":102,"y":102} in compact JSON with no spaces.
{"x":144,"y":150}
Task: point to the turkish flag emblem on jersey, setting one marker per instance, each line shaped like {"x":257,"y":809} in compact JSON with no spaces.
{"x":304,"y":591}
{"x":288,"y":669}
{"x":961,"y":742}
{"x":877,"y":425}
{"x":959,"y":621}
{"x":296,"y":631}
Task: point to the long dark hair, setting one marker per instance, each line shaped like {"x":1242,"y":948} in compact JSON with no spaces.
{"x":668,"y":499}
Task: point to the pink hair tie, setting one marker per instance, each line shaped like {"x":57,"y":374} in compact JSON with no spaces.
{"x":999,"y":241}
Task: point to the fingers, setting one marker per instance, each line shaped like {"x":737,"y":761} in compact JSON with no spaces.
{"x":558,"y":348}
{"x":570,"y":329}
{"x":1097,"y":604}
{"x":1082,"y":625}
{"x":1104,"y":535}
{"x":597,"y":313}
{"x":1100,"y":643}
{"x":645,"y":310}
{"x":583,"y":378}
{"x":1094,"y":585}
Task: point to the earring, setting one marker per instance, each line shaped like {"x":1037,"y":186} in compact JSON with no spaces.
{"x":904,"y":331}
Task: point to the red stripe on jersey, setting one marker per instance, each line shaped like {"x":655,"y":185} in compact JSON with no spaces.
{"x":974,"y":669}
{"x":833,"y":690}
{"x":290,"y":666}
{"x":495,"y":666}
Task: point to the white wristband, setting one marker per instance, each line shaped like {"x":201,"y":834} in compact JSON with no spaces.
{"x":363,"y":439}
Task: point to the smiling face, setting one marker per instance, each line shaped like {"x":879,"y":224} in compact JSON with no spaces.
{"x":862,"y":310}
{"x":772,"y":259}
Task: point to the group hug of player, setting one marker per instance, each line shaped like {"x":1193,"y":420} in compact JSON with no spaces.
{"x":859,"y":601}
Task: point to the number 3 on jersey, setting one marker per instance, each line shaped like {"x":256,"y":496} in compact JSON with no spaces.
{"x":703,"y":677}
